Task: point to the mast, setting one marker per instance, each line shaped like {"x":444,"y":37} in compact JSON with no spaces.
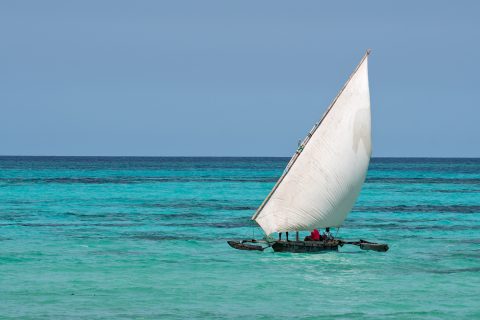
{"x":307,"y":139}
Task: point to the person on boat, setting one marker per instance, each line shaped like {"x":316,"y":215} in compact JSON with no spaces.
{"x":314,"y":236}
{"x":327,"y":235}
{"x":280,"y":236}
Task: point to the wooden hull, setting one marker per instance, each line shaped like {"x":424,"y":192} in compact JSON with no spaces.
{"x":305,"y":246}
{"x":244,"y":246}
{"x":379,"y":247}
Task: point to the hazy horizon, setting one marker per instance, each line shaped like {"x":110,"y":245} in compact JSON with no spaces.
{"x":173,"y":156}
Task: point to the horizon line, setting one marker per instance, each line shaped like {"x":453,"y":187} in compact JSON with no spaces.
{"x":193,"y":156}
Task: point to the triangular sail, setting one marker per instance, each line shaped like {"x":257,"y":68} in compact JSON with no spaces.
{"x":323,"y":179}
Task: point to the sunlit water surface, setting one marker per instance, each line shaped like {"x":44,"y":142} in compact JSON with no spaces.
{"x":97,"y":238}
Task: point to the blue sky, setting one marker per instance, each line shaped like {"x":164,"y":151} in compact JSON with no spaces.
{"x":225,"y":78}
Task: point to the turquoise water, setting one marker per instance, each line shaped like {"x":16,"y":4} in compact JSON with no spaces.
{"x":96,"y":238}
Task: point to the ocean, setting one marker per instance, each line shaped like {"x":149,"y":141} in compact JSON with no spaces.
{"x":145,"y":238}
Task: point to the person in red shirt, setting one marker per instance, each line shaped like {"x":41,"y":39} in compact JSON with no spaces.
{"x":314,"y":236}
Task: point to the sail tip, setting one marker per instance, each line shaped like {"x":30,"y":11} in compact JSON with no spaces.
{"x":368,"y":51}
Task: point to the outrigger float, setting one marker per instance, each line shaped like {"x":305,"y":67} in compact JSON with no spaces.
{"x":323,"y":179}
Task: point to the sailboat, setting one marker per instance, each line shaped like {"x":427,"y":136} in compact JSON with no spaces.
{"x":323,"y":179}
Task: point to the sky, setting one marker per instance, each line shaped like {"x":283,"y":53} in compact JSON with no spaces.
{"x":233,"y":78}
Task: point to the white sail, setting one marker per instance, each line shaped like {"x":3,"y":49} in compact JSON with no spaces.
{"x":323,"y":180}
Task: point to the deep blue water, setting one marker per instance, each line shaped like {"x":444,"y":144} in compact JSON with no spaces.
{"x":128,"y":237}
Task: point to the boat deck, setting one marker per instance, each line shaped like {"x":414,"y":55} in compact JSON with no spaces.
{"x":305,"y":246}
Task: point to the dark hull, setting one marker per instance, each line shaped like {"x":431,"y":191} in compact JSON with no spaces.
{"x":244,"y":246}
{"x":379,"y":247}
{"x":305,"y":246}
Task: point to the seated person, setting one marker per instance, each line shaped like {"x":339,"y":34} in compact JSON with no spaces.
{"x":327,"y":235}
{"x":314,"y":236}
